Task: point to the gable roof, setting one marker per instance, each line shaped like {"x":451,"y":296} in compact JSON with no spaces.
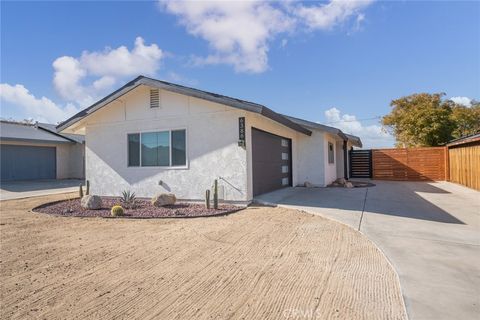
{"x":205,"y":95}
{"x":314,"y":125}
{"x":16,"y":131}
{"x":53,"y":129}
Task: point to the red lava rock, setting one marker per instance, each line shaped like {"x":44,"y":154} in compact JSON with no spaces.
{"x":143,"y":209}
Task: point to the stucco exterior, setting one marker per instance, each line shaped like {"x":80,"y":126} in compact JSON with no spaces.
{"x":212,"y":147}
{"x":69,"y":157}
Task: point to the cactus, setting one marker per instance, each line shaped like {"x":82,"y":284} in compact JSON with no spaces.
{"x":128,"y":199}
{"x":207,"y":199}
{"x":80,"y":191}
{"x":215,"y":194}
{"x":117,"y":211}
{"x":88,"y":188}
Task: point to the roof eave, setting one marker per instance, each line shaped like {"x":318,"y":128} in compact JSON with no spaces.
{"x":142,"y":80}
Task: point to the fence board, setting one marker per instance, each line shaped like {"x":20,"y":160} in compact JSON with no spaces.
{"x":464,"y":163}
{"x":409,"y":164}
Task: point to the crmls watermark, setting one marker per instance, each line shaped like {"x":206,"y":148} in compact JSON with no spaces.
{"x":301,"y":313}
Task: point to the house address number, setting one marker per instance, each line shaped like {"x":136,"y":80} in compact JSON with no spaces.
{"x":241,"y":132}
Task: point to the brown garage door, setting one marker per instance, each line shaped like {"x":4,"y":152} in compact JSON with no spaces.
{"x":272,"y":159}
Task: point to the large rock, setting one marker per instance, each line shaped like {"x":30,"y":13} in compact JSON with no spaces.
{"x":164,"y":199}
{"x":348,"y":184}
{"x":308,"y":184}
{"x":91,"y":202}
{"x":341,"y":181}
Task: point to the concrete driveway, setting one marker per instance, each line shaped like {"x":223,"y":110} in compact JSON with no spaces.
{"x":429,"y":231}
{"x":25,"y":189}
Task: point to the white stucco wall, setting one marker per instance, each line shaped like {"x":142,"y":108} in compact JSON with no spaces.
{"x":311,"y":160}
{"x":339,"y":159}
{"x":68,"y":156}
{"x":212,"y":147}
{"x":330,"y":168}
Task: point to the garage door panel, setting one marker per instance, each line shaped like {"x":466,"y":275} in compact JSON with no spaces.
{"x":270,"y":154}
{"x":27,"y":162}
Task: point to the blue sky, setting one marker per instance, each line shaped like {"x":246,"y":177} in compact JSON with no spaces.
{"x":336,"y":63}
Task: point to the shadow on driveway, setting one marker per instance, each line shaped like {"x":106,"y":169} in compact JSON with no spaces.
{"x":389,"y":198}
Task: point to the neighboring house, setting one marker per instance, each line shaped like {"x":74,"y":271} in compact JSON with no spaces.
{"x":151,"y":136}
{"x":463,"y":161}
{"x":37,"y":151}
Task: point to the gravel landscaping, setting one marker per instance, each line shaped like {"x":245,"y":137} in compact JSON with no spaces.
{"x":143,"y":209}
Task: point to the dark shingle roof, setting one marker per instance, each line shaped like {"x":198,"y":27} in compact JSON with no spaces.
{"x":463,"y":140}
{"x":205,"y":95}
{"x":53,"y":128}
{"x":39,"y":132}
{"x":314,"y":125}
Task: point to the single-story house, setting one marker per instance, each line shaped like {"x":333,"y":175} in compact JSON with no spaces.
{"x":152,"y":136}
{"x":37,"y":151}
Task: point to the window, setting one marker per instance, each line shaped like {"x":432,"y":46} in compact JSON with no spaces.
{"x":284,"y":156}
{"x":134,"y":150}
{"x":284,"y":169}
{"x":179,"y":148}
{"x":284,"y":181}
{"x":331,"y":156}
{"x":157,"y":149}
{"x":284,"y":143}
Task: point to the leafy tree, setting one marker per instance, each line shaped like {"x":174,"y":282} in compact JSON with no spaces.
{"x":420,"y":120}
{"x":425,"y":119}
{"x":467,"y":120}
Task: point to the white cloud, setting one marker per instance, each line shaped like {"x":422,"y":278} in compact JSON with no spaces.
{"x":464,"y":101}
{"x":121,"y":62}
{"x":327,"y":16}
{"x":83,"y":80}
{"x":373,"y":136}
{"x":239,"y":32}
{"x":41,"y":109}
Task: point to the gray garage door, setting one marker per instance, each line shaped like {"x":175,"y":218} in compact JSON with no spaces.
{"x":272,"y":159}
{"x":27,"y":163}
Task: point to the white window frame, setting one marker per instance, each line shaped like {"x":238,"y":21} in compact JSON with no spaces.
{"x":170,"y":148}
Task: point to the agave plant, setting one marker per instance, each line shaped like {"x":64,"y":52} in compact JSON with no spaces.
{"x":128,"y":199}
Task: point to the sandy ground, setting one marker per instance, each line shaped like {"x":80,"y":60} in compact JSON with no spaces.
{"x":259,"y":263}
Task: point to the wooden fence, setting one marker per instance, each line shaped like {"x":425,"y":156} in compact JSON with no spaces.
{"x":410,"y":164}
{"x":464,"y":163}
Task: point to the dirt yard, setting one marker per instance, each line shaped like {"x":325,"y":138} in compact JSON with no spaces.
{"x":259,"y":263}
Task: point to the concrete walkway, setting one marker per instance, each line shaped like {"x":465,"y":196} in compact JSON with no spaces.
{"x":429,"y":231}
{"x":24,"y":189}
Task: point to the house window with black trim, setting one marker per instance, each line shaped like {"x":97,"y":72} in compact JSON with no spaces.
{"x":331,"y":154}
{"x":157,"y":149}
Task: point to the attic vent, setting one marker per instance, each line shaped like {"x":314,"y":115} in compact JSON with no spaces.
{"x":154,"y":98}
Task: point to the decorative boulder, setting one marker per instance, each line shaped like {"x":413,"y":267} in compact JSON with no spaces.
{"x":348,"y":184}
{"x":91,"y":202}
{"x":308,"y":184}
{"x":341,"y":181}
{"x":163,"y":199}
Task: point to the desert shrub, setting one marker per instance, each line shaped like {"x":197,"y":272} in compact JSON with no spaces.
{"x":128,"y":199}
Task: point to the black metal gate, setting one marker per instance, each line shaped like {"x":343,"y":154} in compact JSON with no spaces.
{"x":360,"y":163}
